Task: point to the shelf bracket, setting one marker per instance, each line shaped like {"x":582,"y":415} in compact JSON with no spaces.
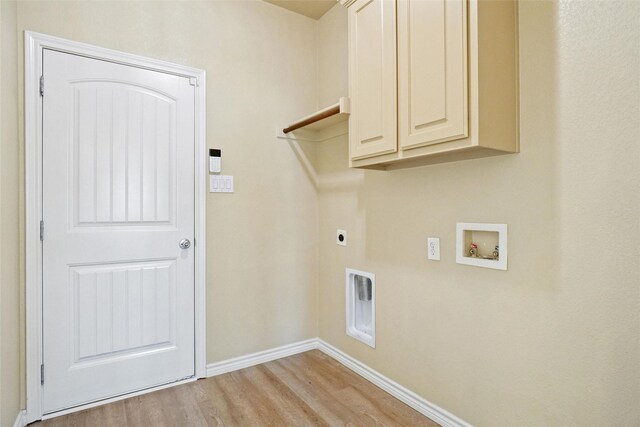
{"x":320,"y":120}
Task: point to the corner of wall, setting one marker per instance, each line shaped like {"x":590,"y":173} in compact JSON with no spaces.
{"x":12,"y":353}
{"x":10,"y":312}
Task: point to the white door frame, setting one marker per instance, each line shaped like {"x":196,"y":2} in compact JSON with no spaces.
{"x":34,"y":43}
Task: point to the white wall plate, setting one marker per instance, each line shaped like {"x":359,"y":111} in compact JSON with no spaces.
{"x":341,"y":237}
{"x":220,"y":184}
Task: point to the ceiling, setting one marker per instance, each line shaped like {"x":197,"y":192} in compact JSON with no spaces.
{"x":311,"y":8}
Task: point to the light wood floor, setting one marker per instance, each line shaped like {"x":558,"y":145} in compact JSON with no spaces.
{"x":308,"y":389}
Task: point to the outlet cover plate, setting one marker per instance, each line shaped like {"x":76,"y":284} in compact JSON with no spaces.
{"x":433,"y":248}
{"x":341,"y":237}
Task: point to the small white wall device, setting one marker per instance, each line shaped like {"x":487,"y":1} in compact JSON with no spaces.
{"x":215,"y":160}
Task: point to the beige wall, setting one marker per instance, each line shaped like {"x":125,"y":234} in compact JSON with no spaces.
{"x":10,"y":248}
{"x":260,"y":62}
{"x":555,"y":339}
{"x":332,"y":56}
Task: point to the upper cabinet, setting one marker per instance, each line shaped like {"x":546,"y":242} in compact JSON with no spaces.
{"x":440,"y":86}
{"x":372,"y":78}
{"x":432,"y":72}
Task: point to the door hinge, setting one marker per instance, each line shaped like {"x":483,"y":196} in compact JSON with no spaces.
{"x":42,"y":374}
{"x":41,"y":231}
{"x":41,"y":85}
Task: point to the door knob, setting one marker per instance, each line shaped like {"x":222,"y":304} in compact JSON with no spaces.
{"x":185,"y":244}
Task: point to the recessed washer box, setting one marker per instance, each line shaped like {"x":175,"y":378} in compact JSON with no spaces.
{"x":361,"y":306}
{"x":490,"y":245}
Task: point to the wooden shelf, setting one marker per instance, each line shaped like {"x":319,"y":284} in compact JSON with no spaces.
{"x":319,"y":121}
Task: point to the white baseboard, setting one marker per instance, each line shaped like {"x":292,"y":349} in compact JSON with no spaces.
{"x":21,"y":419}
{"x":253,"y":359}
{"x":426,"y":408}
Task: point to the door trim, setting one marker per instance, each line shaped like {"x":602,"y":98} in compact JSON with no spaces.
{"x":34,"y":44}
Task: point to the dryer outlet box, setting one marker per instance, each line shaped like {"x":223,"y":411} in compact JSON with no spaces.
{"x":341,"y":237}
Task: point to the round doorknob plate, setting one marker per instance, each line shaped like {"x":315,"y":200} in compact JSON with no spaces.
{"x":185,"y":244}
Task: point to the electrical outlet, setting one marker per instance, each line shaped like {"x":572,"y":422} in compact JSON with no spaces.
{"x":341,"y":237}
{"x":433,"y":248}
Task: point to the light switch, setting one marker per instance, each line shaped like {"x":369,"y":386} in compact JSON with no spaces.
{"x":221,"y":184}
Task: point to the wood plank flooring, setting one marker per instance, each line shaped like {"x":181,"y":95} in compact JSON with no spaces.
{"x":308,"y":389}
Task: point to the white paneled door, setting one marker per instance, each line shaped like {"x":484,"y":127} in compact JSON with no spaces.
{"x":118,"y":201}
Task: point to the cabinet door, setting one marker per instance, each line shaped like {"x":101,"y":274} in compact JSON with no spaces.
{"x":372,"y":78}
{"x":432,"y":71}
